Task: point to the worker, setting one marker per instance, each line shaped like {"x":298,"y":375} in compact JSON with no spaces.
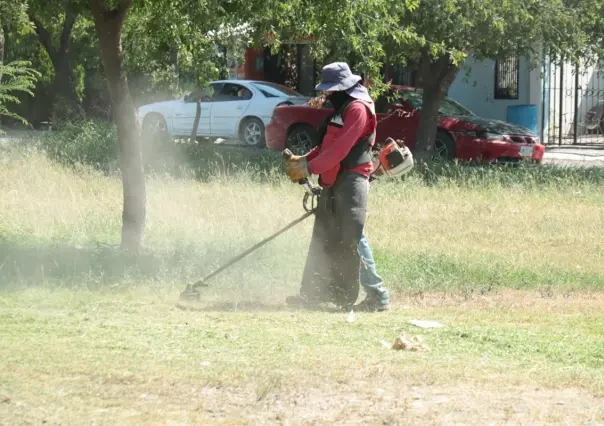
{"x":342,"y":159}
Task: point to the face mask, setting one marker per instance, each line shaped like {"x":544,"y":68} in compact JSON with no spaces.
{"x":337,"y":99}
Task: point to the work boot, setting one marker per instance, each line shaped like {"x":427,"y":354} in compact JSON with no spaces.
{"x":373,"y":304}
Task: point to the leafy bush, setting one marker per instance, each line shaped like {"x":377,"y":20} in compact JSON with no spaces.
{"x":15,"y":77}
{"x":87,"y":142}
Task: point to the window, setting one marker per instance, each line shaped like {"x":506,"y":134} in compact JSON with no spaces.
{"x":205,"y":93}
{"x":447,"y":107}
{"x":507,"y":74}
{"x":402,"y":76}
{"x":270,"y":89}
{"x":232,"y":92}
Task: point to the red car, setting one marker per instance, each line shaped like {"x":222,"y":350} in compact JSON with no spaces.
{"x":461,"y":134}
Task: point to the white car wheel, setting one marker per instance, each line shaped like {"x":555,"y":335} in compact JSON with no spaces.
{"x":252,"y":132}
{"x":154,"y":126}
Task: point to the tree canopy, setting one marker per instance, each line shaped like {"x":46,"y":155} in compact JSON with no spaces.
{"x":436,"y":37}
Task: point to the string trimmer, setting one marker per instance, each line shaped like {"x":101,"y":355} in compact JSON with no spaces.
{"x":309,"y":203}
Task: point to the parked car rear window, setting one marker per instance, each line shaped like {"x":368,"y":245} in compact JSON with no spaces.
{"x":275,"y":89}
{"x":448,"y":107}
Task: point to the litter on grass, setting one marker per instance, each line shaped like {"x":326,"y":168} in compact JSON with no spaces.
{"x":426,"y":324}
{"x":405,"y":342}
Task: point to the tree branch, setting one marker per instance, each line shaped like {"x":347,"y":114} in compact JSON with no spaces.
{"x":70,"y":18}
{"x":45,"y":38}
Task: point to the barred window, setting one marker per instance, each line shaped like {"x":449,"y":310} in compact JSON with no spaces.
{"x":507,"y":74}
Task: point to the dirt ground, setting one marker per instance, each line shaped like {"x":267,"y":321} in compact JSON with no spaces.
{"x":397,"y":403}
{"x":360,"y":402}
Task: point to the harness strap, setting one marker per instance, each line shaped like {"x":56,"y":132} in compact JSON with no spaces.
{"x":360,"y":153}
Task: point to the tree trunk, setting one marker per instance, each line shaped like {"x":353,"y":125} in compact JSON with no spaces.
{"x":1,"y":44}
{"x":436,"y":78}
{"x":65,"y":98}
{"x":109,"y":26}
{"x":428,"y":124}
{"x":2,"y":40}
{"x":196,"y":121}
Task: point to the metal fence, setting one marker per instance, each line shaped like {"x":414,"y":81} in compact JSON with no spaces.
{"x":573,"y":112}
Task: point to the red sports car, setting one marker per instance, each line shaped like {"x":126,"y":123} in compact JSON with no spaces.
{"x":461,"y":133}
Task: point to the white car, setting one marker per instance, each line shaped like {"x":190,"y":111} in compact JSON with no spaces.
{"x":229,"y":109}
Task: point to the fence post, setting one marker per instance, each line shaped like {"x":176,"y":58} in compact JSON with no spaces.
{"x":544,"y":85}
{"x":576,"y":120}
{"x":560,"y":115}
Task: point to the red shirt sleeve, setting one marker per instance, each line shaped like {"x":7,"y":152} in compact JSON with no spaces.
{"x":355,"y":123}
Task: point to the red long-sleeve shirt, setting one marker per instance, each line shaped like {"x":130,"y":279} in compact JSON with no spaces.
{"x":325,"y":160}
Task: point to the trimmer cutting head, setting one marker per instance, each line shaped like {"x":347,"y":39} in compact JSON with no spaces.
{"x":190,"y":294}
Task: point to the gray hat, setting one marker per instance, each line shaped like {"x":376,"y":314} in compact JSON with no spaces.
{"x":358,"y":91}
{"x":337,"y":77}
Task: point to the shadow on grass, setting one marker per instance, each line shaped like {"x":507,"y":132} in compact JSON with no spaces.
{"x":93,"y":267}
{"x":250,"y":306}
{"x":101,"y":267}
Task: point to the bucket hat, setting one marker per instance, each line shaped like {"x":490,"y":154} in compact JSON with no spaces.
{"x":337,"y":77}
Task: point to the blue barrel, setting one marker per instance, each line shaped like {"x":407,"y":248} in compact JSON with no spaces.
{"x":523,"y":115}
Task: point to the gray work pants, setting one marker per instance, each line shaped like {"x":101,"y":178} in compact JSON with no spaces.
{"x":331,"y":273}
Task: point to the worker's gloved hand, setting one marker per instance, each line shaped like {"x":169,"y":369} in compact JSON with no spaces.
{"x":296,"y":166}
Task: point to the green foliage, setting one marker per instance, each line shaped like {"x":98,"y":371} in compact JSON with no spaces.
{"x":87,"y":142}
{"x":15,"y":77}
{"x":13,"y":14}
{"x":348,"y":30}
{"x":176,"y":45}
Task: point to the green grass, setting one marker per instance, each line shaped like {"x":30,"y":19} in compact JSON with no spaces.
{"x":131,"y":357}
{"x":510,"y":260}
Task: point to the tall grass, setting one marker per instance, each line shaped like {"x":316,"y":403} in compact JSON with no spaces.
{"x":468,"y":229}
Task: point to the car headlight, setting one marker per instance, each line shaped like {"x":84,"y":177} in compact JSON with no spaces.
{"x":487,"y":135}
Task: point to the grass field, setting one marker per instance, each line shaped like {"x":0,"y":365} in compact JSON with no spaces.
{"x":510,"y":261}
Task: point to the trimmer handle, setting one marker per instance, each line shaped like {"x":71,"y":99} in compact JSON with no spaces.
{"x":309,"y":187}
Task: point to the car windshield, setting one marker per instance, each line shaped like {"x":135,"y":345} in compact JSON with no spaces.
{"x":448,"y":106}
{"x":275,"y":89}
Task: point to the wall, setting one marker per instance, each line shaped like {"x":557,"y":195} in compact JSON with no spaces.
{"x":259,"y":65}
{"x":254,"y":64}
{"x":474,"y":88}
